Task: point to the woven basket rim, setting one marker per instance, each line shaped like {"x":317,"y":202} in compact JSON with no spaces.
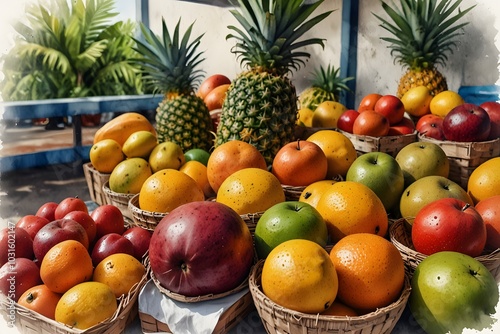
{"x":353,"y":322}
{"x":107,"y":190}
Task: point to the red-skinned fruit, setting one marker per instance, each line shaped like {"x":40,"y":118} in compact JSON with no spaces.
{"x":32,"y":224}
{"x":15,"y":243}
{"x":70,"y":204}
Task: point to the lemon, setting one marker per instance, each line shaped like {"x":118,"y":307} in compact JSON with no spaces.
{"x":444,"y":102}
{"x":417,"y":101}
{"x":305,"y":117}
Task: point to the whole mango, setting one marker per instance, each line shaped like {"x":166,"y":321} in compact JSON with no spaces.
{"x":105,"y":155}
{"x":139,"y":144}
{"x":166,"y":155}
{"x":129,"y":175}
{"x":122,"y":126}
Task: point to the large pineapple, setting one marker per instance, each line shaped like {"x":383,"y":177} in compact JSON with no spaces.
{"x":327,"y":86}
{"x":261,"y":104}
{"x":424,"y":31}
{"x":169,"y":66}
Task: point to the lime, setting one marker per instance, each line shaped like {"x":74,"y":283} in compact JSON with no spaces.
{"x":197,"y":154}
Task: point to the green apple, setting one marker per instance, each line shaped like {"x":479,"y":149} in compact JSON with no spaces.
{"x":166,"y":155}
{"x":452,"y":291}
{"x":289,"y":220}
{"x":428,"y":189}
{"x":382,"y":174}
{"x":197,"y":154}
{"x":421,"y":159}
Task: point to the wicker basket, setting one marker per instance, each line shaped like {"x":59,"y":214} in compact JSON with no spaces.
{"x":95,"y":181}
{"x":251,"y":219}
{"x":387,"y":144}
{"x":145,"y":219}
{"x":292,"y":193}
{"x":280,"y":320}
{"x":401,"y":238}
{"x":117,"y":199}
{"x":465,"y":157}
{"x":28,"y":321}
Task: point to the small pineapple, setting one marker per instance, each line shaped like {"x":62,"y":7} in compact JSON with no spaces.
{"x":423,"y":33}
{"x":169,"y":67}
{"x":261,"y":103}
{"x":327,"y":86}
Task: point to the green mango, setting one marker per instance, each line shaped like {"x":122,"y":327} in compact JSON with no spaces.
{"x":139,"y":144}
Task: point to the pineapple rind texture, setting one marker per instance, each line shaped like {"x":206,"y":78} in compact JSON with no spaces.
{"x":313,"y":96}
{"x":431,"y":78}
{"x":261,"y":109}
{"x":185,"y":120}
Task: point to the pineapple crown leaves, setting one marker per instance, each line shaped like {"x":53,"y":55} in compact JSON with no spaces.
{"x":271,"y":32}
{"x":424,"y":30}
{"x":329,"y":80}
{"x":169,"y":63}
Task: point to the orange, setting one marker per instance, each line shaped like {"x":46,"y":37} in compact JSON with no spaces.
{"x":327,"y":114}
{"x":305,"y":117}
{"x":417,"y":101}
{"x":251,"y":190}
{"x":370,"y":270}
{"x":484,"y":181}
{"x":339,"y":151}
{"x":368,"y":102}
{"x":340,"y":310}
{"x":351,"y":207}
{"x":229,"y":157}
{"x":298,"y":274}
{"x":120,"y":271}
{"x":371,"y":123}
{"x":86,"y":304}
{"x":105,"y":155}
{"x":41,"y":300}
{"x":444,"y":102}
{"x":198,"y":172}
{"x":489,"y":209}
{"x":313,"y":192}
{"x":65,"y":265}
{"x":167,"y":189}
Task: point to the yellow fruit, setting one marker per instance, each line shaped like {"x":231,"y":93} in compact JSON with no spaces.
{"x":444,"y":102}
{"x":120,"y":272}
{"x":139,"y":144}
{"x":351,"y":207}
{"x":327,"y":114}
{"x":339,"y":151}
{"x":484,"y":181}
{"x":198,"y":172}
{"x":129,"y":175}
{"x":417,"y":101}
{"x":313,"y":192}
{"x":86,"y":304}
{"x":105,"y":155}
{"x":122,"y":126}
{"x":305,"y":117}
{"x":166,"y":155}
{"x":298,"y":274}
{"x":167,"y":189}
{"x":250,"y":190}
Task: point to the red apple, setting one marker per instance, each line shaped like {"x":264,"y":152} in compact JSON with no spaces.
{"x":140,"y":239}
{"x":109,"y":244}
{"x":84,"y":219}
{"x":15,"y":243}
{"x":391,"y":107}
{"x":346,"y":120}
{"x":70,"y":204}
{"x":18,"y":276}
{"x":449,"y":224}
{"x":467,"y":123}
{"x":211,"y":83}
{"x":55,"y":232}
{"x":201,"y":248}
{"x":403,"y":127}
{"x":300,"y":163}
{"x":47,"y":210}
{"x":32,"y":224}
{"x":493,"y":110}
{"x":430,"y":126}
{"x":108,"y":219}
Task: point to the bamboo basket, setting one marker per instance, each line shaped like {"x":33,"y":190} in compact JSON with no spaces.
{"x":280,"y":320}
{"x":387,"y":144}
{"x":28,"y":321}
{"x":145,"y":219}
{"x":95,"y":181}
{"x":118,"y":199}
{"x":401,"y":238}
{"x":465,"y":157}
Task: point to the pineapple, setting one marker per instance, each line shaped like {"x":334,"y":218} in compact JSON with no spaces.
{"x":326,"y":86}
{"x":423,"y":33}
{"x":169,"y":66}
{"x":261,"y":103}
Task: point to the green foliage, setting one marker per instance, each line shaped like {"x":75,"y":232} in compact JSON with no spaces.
{"x":76,"y":51}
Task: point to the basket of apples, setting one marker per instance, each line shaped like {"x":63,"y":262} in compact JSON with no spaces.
{"x":378,"y":125}
{"x":469,"y":134}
